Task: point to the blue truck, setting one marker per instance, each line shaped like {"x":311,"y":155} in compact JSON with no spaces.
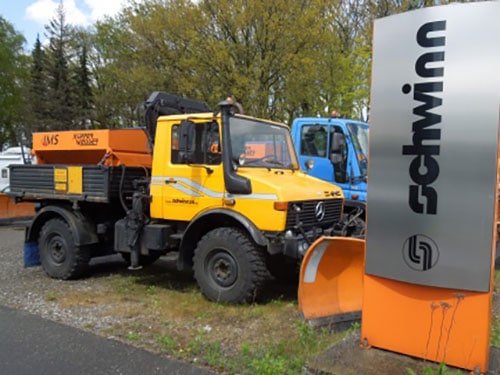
{"x":336,"y":150}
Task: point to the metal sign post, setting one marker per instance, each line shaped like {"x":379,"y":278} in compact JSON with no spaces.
{"x":433,"y":184}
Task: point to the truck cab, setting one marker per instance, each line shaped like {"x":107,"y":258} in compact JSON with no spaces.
{"x":336,"y":150}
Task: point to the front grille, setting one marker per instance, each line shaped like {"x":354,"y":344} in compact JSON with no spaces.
{"x":307,"y":214}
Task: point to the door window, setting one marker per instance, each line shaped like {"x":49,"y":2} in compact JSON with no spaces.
{"x":199,"y":143}
{"x":313,"y":140}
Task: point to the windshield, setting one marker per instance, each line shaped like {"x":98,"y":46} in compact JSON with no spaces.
{"x":261,"y":144}
{"x":359,"y":136}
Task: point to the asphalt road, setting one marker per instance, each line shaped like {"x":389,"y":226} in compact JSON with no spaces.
{"x":32,"y":345}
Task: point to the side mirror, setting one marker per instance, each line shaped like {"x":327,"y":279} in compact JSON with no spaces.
{"x":309,"y":164}
{"x":336,"y":158}
{"x":336,"y":149}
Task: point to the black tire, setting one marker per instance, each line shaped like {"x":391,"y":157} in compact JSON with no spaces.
{"x":60,"y":257}
{"x":284,"y":268}
{"x":144,"y":260}
{"x":229,"y":267}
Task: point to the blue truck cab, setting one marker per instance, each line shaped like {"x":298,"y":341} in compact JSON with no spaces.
{"x":336,"y":150}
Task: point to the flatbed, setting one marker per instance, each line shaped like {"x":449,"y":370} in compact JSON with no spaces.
{"x":92,"y":183}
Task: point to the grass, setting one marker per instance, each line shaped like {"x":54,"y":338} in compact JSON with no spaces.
{"x":495,"y":334}
{"x":165,"y":312}
{"x":495,"y":326}
{"x":51,"y":296}
{"x":162,"y":312}
{"x":442,"y":369}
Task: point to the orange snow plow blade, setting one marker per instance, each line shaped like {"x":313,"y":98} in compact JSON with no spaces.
{"x":11,"y":212}
{"x":331,"y":279}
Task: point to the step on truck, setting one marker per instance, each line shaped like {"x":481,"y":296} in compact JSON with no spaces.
{"x":335,"y":149}
{"x":188,"y":181}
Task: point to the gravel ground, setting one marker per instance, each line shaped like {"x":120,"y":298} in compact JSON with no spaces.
{"x":30,"y":288}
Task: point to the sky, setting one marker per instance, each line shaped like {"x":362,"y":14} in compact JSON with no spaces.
{"x":29,"y":16}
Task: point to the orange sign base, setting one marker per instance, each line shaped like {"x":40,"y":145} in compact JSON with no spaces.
{"x":436,"y":324}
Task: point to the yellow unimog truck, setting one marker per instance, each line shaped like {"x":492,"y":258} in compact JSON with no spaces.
{"x":222,"y":189}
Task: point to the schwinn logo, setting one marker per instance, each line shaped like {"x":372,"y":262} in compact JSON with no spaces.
{"x":420,"y":252}
{"x":319,"y":211}
{"x":424,"y":168}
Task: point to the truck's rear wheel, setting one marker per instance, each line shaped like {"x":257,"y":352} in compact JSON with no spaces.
{"x":229,"y":267}
{"x":60,"y":257}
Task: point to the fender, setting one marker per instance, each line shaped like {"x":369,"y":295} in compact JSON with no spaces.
{"x":83,"y":231}
{"x":207,"y":221}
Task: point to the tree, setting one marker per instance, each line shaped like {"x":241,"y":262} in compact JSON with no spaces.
{"x":61,"y":110}
{"x":345,"y":87}
{"x":37,"y":91}
{"x":265,"y":53}
{"x":13,"y":76}
{"x":83,"y":87}
{"x":281,"y":59}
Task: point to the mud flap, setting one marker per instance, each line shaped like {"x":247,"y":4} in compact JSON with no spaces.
{"x":331,"y":280}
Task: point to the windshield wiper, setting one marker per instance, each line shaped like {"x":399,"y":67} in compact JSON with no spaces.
{"x":265,"y":159}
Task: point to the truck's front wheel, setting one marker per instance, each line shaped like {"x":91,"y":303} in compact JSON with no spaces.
{"x":229,"y":267}
{"x":60,"y":257}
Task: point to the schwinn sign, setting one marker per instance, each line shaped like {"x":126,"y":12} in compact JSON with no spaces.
{"x":433,"y":146}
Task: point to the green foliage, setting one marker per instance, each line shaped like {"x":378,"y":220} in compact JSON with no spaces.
{"x":61,"y":112}
{"x":495,"y":328}
{"x":442,"y":369}
{"x":166,"y":342}
{"x":269,"y":365}
{"x":13,"y":77}
{"x":133,"y":336}
{"x":82,"y":87}
{"x":495,"y":334}
{"x":306,"y":335}
{"x":213,"y":354}
{"x":60,"y":91}
{"x":210,"y":352}
{"x":280,"y":59}
{"x":52,"y":296}
{"x":270,"y":359}
{"x":282,"y":356}
{"x":37,"y":103}
{"x":355,"y":326}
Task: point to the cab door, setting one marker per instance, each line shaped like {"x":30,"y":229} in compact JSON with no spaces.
{"x":191,"y":179}
{"x":314,"y":145}
{"x":328,"y":146}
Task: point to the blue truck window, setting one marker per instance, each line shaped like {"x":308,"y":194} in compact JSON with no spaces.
{"x":314,"y":140}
